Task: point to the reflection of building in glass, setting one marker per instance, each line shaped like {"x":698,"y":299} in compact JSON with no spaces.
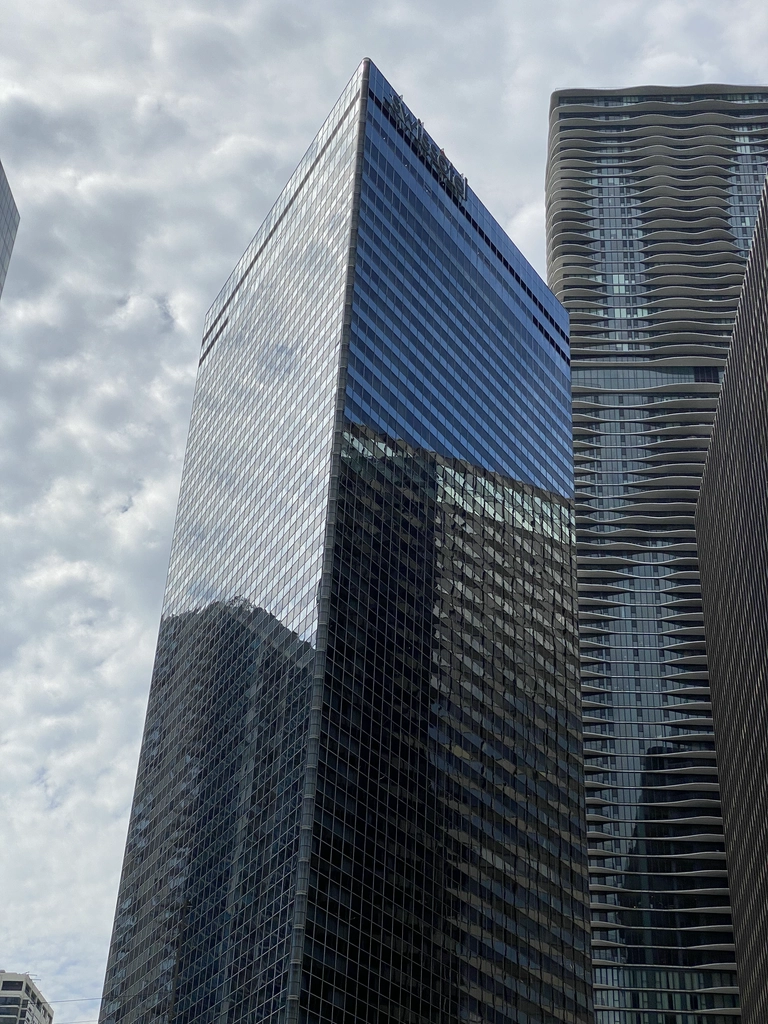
{"x":732,"y":531}
{"x":9,"y":222}
{"x":360,"y":790}
{"x":651,"y":199}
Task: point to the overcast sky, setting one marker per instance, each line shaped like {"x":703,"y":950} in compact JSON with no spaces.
{"x":144,"y":141}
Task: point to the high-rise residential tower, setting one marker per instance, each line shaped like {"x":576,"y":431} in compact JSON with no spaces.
{"x":732,"y":534}
{"x":21,"y":1001}
{"x":9,"y":222}
{"x":359,"y":796}
{"x":651,"y":199}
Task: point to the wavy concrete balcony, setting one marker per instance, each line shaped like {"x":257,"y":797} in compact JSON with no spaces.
{"x":651,"y":200}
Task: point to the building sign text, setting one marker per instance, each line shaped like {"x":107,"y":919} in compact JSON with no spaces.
{"x":428,"y":150}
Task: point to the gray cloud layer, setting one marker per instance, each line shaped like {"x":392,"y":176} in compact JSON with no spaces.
{"x":144,"y":143}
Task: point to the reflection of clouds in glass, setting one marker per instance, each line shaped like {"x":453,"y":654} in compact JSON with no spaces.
{"x":256,"y":471}
{"x":278,"y":361}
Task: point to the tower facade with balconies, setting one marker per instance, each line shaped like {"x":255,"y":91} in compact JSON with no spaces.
{"x":651,"y":200}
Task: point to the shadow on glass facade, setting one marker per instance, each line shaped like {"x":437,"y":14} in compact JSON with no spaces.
{"x":732,"y":531}
{"x":360,"y":788}
{"x":448,"y":709}
{"x":9,"y":222}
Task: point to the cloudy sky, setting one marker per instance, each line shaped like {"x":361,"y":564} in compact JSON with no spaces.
{"x":144,"y":142}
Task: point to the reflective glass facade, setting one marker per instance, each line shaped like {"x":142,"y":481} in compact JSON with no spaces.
{"x":651,"y":198}
{"x":732,"y":534}
{"x":360,"y":792}
{"x":9,"y":222}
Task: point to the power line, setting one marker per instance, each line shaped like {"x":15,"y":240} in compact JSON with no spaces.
{"x":85,"y":999}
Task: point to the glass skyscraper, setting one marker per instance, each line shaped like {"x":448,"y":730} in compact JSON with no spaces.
{"x":651,"y":200}
{"x":9,"y":222}
{"x":360,"y":790}
{"x":732,"y":534}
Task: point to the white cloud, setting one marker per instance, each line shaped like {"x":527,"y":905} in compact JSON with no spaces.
{"x":144,"y":142}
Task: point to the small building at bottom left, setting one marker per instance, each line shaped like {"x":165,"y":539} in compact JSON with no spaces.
{"x":22,"y":1000}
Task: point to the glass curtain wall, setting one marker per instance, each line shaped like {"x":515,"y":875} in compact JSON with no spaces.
{"x":203,"y":928}
{"x":360,"y":792}
{"x":9,"y":222}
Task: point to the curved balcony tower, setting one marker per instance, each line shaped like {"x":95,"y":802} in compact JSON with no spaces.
{"x":651,"y":200}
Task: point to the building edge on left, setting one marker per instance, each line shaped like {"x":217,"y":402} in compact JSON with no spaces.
{"x":9,"y":223}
